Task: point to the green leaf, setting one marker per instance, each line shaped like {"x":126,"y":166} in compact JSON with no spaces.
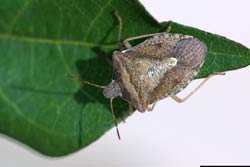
{"x":223,"y":54}
{"x":40,"y":41}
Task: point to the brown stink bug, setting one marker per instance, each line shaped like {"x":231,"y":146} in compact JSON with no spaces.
{"x":157,"y":68}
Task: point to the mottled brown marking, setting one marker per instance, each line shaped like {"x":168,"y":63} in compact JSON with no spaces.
{"x":157,"y":68}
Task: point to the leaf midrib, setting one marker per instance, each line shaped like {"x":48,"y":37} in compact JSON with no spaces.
{"x":54,"y":41}
{"x":73,"y":43}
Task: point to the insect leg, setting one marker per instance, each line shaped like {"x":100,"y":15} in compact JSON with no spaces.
{"x":130,"y":109}
{"x":128,"y":45}
{"x":181,"y":100}
{"x":151,"y":107}
{"x":120,"y":30}
{"x":168,"y":29}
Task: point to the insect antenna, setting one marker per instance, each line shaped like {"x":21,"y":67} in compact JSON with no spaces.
{"x":114,"y":118}
{"x":111,"y":99}
{"x":83,"y":81}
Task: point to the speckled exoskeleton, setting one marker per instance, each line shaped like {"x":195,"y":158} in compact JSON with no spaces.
{"x":159,"y":67}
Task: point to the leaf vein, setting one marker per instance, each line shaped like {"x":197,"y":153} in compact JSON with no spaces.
{"x":18,"y":15}
{"x":69,"y":71}
{"x":233,"y":55}
{"x":54,"y":41}
{"x":30,"y":121}
{"x":95,"y":19}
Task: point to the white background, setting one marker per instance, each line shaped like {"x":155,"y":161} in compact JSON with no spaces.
{"x":212,"y":127}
